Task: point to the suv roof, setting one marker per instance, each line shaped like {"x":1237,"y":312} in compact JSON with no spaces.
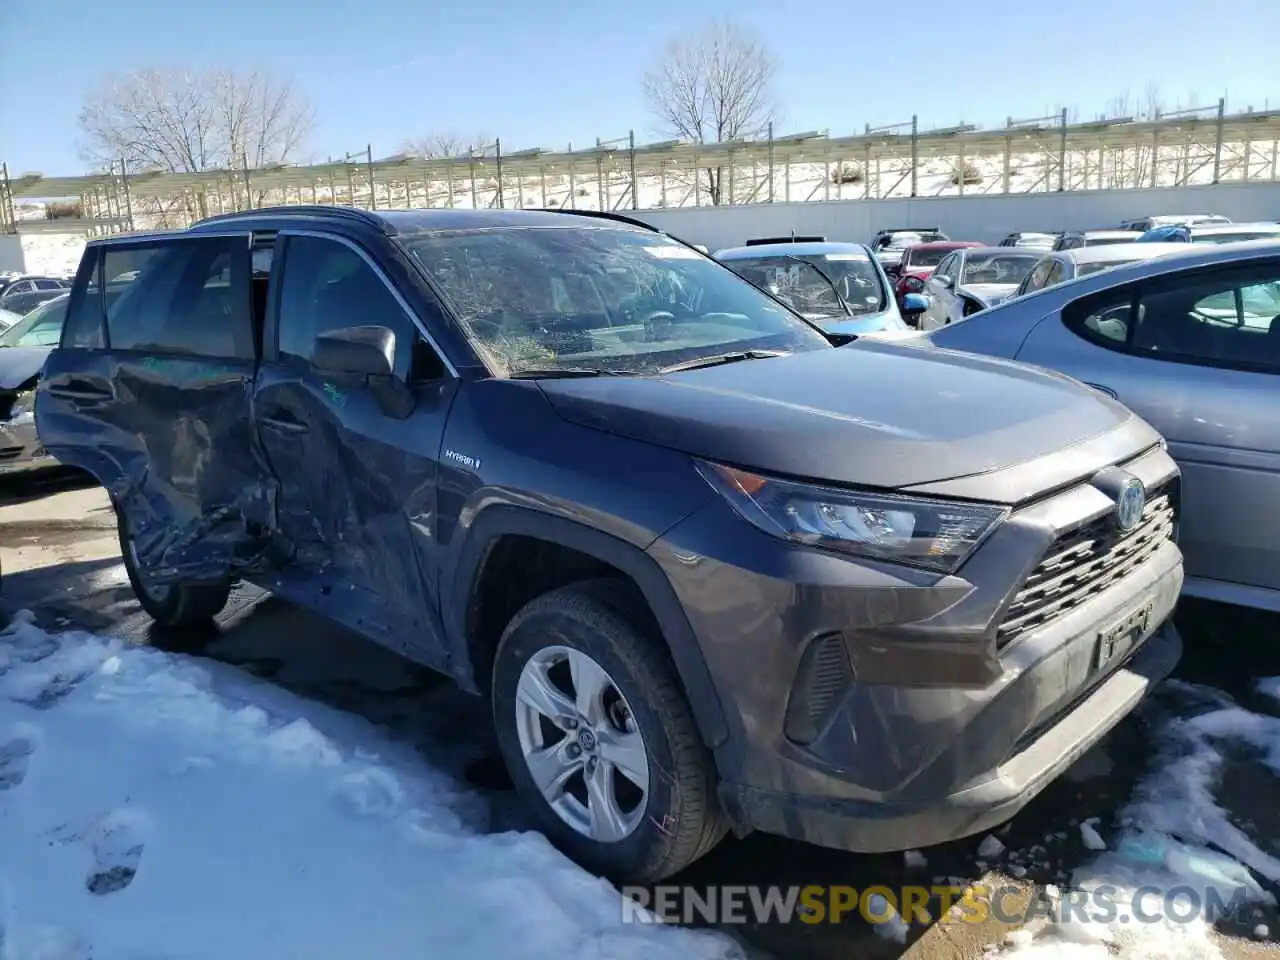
{"x":392,"y":222}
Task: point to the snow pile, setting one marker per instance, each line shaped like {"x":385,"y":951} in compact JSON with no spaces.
{"x":153,"y":805}
{"x":1174,"y":836}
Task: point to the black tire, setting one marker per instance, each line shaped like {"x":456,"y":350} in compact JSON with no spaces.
{"x":682,"y":819}
{"x":176,"y":605}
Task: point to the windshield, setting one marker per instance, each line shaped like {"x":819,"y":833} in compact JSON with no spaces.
{"x":924,"y":258}
{"x":1236,"y":236}
{"x":599,"y":298}
{"x":997,"y":268}
{"x":801,"y":280}
{"x":42,"y":327}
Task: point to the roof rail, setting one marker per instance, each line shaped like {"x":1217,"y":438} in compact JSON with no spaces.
{"x":794,"y":238}
{"x":603,"y":215}
{"x":911,"y":230}
{"x":295,"y":210}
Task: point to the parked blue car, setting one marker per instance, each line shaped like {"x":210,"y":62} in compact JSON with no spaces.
{"x":839,"y":286}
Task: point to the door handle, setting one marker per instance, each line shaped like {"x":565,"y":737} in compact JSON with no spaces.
{"x":1101,"y":389}
{"x":80,"y":391}
{"x":285,"y":422}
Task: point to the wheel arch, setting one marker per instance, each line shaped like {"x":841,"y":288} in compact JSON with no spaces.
{"x":470,"y":652}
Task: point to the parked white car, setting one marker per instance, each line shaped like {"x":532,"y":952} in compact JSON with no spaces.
{"x":972,"y":279}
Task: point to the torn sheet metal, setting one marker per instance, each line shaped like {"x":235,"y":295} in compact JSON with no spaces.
{"x":172,"y":440}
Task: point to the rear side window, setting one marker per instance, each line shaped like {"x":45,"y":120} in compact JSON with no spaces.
{"x":83,"y":328}
{"x":187,"y":297}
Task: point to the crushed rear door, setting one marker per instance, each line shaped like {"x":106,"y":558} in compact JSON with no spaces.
{"x":150,"y":392}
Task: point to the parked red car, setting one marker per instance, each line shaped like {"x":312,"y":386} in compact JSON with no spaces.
{"x":918,"y":262}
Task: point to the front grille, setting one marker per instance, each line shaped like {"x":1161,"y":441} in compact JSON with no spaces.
{"x":1086,"y":561}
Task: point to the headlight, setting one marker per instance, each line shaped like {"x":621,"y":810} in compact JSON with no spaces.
{"x":913,"y":284}
{"x":934,"y":534}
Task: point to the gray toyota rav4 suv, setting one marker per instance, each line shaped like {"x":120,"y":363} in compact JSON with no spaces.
{"x":713,"y":569}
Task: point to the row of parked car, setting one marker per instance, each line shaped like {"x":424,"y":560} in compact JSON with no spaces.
{"x":720,"y":555}
{"x":1180,"y":321}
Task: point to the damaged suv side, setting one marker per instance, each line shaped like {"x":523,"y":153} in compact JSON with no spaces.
{"x":710,"y":571}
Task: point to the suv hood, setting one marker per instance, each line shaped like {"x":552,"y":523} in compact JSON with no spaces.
{"x":873,"y":413}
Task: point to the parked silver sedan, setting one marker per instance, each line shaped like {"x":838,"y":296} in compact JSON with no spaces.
{"x":1191,"y":342}
{"x":1072,"y":264}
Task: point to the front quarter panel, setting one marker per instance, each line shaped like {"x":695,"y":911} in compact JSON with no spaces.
{"x":506,"y":451}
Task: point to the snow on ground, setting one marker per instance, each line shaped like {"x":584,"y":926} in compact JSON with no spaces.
{"x":153,"y":806}
{"x":1174,"y":834}
{"x":57,"y":254}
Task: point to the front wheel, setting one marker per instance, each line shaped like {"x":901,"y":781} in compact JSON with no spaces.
{"x":598,"y":736}
{"x":170,"y":605}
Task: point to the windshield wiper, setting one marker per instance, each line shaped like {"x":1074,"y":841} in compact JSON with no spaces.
{"x":549,"y":372}
{"x":720,"y":358}
{"x":830,"y":283}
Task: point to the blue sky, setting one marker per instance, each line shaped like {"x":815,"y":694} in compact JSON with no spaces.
{"x":546,"y":74}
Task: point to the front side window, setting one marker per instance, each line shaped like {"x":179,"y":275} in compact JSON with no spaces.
{"x":1214,"y":317}
{"x":328,"y":286}
{"x":997,"y":268}
{"x":1038,"y":277}
{"x":186,"y":297}
{"x":599,"y":298}
{"x":947,"y":268}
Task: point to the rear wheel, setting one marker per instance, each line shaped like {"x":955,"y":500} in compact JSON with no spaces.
{"x":170,"y":605}
{"x":598,"y":736}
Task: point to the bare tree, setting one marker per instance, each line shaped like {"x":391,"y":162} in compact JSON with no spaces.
{"x":193,"y":121}
{"x":1144,"y":167}
{"x":448,"y":144}
{"x":712,"y":86}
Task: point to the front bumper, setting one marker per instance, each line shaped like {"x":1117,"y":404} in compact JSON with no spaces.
{"x":932,"y":724}
{"x":20,"y":448}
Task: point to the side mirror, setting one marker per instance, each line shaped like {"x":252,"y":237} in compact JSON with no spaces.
{"x":947,"y":282}
{"x":914,"y":304}
{"x":368,"y":354}
{"x":359,"y":351}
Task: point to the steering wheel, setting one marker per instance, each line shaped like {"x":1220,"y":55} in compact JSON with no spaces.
{"x":657,"y":323}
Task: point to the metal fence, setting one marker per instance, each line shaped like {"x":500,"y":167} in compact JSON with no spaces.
{"x":1024,"y":156}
